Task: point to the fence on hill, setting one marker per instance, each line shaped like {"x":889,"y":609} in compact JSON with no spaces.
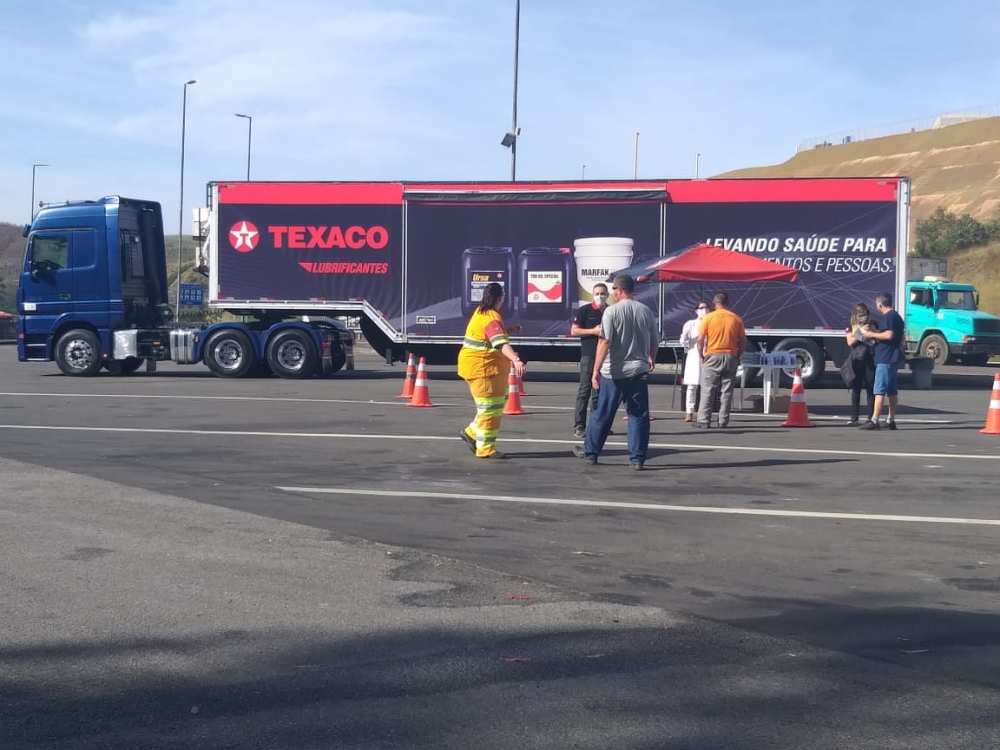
{"x":898,"y":128}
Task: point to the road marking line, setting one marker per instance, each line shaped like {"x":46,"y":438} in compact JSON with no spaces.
{"x":545,"y":441}
{"x":263,"y":399}
{"x":401,"y":402}
{"x":645,"y":506}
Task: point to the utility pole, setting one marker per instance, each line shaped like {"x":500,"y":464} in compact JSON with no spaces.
{"x":249,"y":120}
{"x":513,"y":126}
{"x":635,"y":158}
{"x":33,"y":168}
{"x":180,"y":210}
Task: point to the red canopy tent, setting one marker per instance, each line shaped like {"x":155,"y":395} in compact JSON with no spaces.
{"x":709,"y":263}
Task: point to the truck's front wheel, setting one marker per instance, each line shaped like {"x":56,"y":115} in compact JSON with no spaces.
{"x":292,"y":354}
{"x":936,"y":348}
{"x":229,"y":354}
{"x":78,"y":353}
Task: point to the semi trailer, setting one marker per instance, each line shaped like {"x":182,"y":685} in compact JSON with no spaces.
{"x":407,"y":261}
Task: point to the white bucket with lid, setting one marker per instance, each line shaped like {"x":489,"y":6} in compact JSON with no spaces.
{"x":597,"y":258}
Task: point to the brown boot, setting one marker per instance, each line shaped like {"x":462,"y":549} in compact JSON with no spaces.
{"x":688,"y":418}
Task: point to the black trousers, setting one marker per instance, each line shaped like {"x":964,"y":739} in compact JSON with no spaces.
{"x":585,"y":393}
{"x":864,"y":381}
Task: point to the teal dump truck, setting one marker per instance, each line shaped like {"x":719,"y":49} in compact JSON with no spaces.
{"x":943,"y":321}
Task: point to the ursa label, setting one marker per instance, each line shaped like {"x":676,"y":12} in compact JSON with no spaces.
{"x":545,"y":287}
{"x":478,"y":280}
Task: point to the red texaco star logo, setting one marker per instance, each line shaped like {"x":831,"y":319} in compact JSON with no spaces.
{"x":244,"y":236}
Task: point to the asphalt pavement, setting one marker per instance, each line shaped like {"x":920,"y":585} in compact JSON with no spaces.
{"x":200,"y":563}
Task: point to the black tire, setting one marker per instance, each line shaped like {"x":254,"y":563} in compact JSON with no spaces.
{"x":935,"y":347}
{"x":812,"y":361}
{"x":78,"y":353}
{"x":123,"y":366}
{"x":229,"y":354}
{"x":292,"y":354}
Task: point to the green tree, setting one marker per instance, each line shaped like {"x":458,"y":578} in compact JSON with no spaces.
{"x":992,"y":228}
{"x":943,"y":233}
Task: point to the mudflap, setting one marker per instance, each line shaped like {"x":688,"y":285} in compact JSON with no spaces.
{"x":326,"y":356}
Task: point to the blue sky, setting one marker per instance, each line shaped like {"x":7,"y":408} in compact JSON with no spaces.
{"x":395,"y":89}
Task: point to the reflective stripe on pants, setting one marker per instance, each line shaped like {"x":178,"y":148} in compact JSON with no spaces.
{"x":489,"y":395}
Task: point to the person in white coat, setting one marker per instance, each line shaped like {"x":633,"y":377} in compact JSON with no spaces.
{"x":692,"y":362}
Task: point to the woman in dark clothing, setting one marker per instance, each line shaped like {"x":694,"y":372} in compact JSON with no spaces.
{"x":859,"y":369}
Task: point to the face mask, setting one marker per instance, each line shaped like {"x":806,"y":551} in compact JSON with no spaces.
{"x":862,"y":319}
{"x":701,"y":312}
{"x":601,"y":300}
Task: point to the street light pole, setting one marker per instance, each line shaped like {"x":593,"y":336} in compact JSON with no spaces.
{"x":513,"y":127}
{"x":635,"y":158}
{"x":33,"y":168}
{"x":249,"y":120}
{"x":180,"y":212}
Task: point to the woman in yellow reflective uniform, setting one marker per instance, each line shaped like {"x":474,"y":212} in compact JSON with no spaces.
{"x":484,"y":363}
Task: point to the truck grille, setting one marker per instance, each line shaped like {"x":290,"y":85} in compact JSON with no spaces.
{"x":986,"y":326}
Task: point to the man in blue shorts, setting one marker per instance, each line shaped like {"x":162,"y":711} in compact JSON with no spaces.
{"x":888,"y":355}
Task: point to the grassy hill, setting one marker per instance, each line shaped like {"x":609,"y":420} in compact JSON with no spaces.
{"x":956,"y":167}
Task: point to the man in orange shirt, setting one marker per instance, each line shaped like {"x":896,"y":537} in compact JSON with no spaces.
{"x":722,"y":339}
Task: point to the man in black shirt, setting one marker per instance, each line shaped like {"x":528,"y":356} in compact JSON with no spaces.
{"x":587,"y":325}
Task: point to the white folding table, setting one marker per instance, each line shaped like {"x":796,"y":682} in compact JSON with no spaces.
{"x":770,"y":364}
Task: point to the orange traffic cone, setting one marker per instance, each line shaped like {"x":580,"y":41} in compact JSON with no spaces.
{"x":513,"y":405}
{"x":520,"y":386}
{"x":798,"y":415}
{"x":993,"y":413}
{"x":411,"y":376}
{"x":421,"y":393}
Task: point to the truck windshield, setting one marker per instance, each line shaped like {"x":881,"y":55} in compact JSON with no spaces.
{"x":956,"y":299}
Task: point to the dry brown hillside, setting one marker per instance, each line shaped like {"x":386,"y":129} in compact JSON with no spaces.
{"x":955,"y":167}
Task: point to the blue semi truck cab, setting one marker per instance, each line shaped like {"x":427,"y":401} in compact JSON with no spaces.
{"x":94,"y":293}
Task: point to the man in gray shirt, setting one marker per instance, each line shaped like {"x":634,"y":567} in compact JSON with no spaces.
{"x":626,"y":353}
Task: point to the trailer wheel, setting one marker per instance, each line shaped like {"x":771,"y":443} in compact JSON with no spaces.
{"x":229,"y":354}
{"x":78,"y":352}
{"x":123,"y":366}
{"x":812,"y":361}
{"x":292,"y":354}
{"x":936,"y":348}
